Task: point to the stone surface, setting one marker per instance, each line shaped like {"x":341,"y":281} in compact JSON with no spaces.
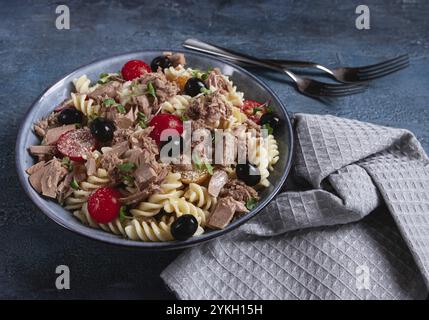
{"x":34,"y":54}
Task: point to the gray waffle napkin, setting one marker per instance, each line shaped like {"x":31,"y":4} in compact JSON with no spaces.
{"x":318,"y":239}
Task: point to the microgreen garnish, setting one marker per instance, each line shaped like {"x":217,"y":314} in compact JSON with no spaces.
{"x":184,"y":117}
{"x":120,"y":108}
{"x":109,"y":102}
{"x":126,"y":166}
{"x":127,"y":178}
{"x":150,"y":89}
{"x":209,"y":168}
{"x":268,"y":128}
{"x":122,"y":213}
{"x":74,"y":184}
{"x":251,"y":203}
{"x":141,"y":117}
{"x":204,"y":90}
{"x":67,"y":163}
{"x":201,"y":165}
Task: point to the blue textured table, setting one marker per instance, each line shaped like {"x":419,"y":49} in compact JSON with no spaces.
{"x":34,"y":54}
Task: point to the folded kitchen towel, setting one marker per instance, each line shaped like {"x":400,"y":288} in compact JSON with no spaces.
{"x":352,"y":223}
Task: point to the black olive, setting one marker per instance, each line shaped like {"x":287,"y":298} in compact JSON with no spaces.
{"x":271,"y":119}
{"x":70,"y":116}
{"x":193,"y":87}
{"x":184,"y":227}
{"x":161,"y":61}
{"x":248,"y":173}
{"x":177,"y":141}
{"x":102,"y":129}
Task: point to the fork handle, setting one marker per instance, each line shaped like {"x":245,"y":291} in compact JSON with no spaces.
{"x":205,"y":47}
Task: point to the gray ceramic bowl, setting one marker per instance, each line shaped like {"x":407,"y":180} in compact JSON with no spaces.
{"x":252,"y":87}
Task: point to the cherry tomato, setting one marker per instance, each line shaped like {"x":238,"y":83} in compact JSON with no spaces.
{"x":104,"y":205}
{"x":163,"y":122}
{"x":250,"y":107}
{"x":134,"y":69}
{"x":76,"y":143}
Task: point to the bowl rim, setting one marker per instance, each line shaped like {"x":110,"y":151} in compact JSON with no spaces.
{"x":87,"y":232}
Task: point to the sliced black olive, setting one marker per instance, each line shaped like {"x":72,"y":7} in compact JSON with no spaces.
{"x":70,"y":116}
{"x":184,"y":227}
{"x":161,"y":61}
{"x":102,"y":129}
{"x":271,"y":119}
{"x":248,"y":173}
{"x":193,"y":86}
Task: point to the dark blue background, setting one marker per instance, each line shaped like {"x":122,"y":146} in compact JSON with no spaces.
{"x":34,"y":54}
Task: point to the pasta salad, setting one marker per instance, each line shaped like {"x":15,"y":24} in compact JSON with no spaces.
{"x":157,"y":152}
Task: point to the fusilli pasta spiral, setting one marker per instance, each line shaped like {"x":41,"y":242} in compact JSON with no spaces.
{"x":180,"y":206}
{"x":170,"y":189}
{"x":150,"y":230}
{"x":273,"y":151}
{"x":199,"y":196}
{"x":116,"y":226}
{"x":258,"y":155}
{"x":79,"y":196}
{"x":176,"y":105}
{"x":82,"y":84}
{"x":87,"y":107}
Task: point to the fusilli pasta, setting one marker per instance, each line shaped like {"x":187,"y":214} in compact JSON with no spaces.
{"x":150,"y":230}
{"x":82,"y":84}
{"x":199,"y":196}
{"x":176,"y":105}
{"x":170,"y":189}
{"x":86,"y":106}
{"x":79,"y":196}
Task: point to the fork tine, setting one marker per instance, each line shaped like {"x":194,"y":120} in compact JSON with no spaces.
{"x":387,"y":66}
{"x":345,"y":86}
{"x":383,"y":72}
{"x":383,"y":64}
{"x":330,"y":93}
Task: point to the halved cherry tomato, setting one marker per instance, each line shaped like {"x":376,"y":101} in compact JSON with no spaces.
{"x":134,"y":69}
{"x":104,"y":205}
{"x":163,"y":122}
{"x":76,"y":143}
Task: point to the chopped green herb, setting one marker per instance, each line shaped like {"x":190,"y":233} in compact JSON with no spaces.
{"x":251,"y":203}
{"x":255,"y":110}
{"x":205,"y":90}
{"x":196,"y":73}
{"x":127,"y":179}
{"x":78,"y":125}
{"x":204,"y":76}
{"x":121,"y":108}
{"x":141,"y":117}
{"x":67,"y":163}
{"x":184,"y":117}
{"x":197,"y":162}
{"x":142,"y":124}
{"x":151,"y":89}
{"x":122,"y":213}
{"x":109,"y":102}
{"x":103,"y":75}
{"x":269,"y":109}
{"x":209,"y":168}
{"x":126,"y":166}
{"x":268,"y":128}
{"x":74,"y":184}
